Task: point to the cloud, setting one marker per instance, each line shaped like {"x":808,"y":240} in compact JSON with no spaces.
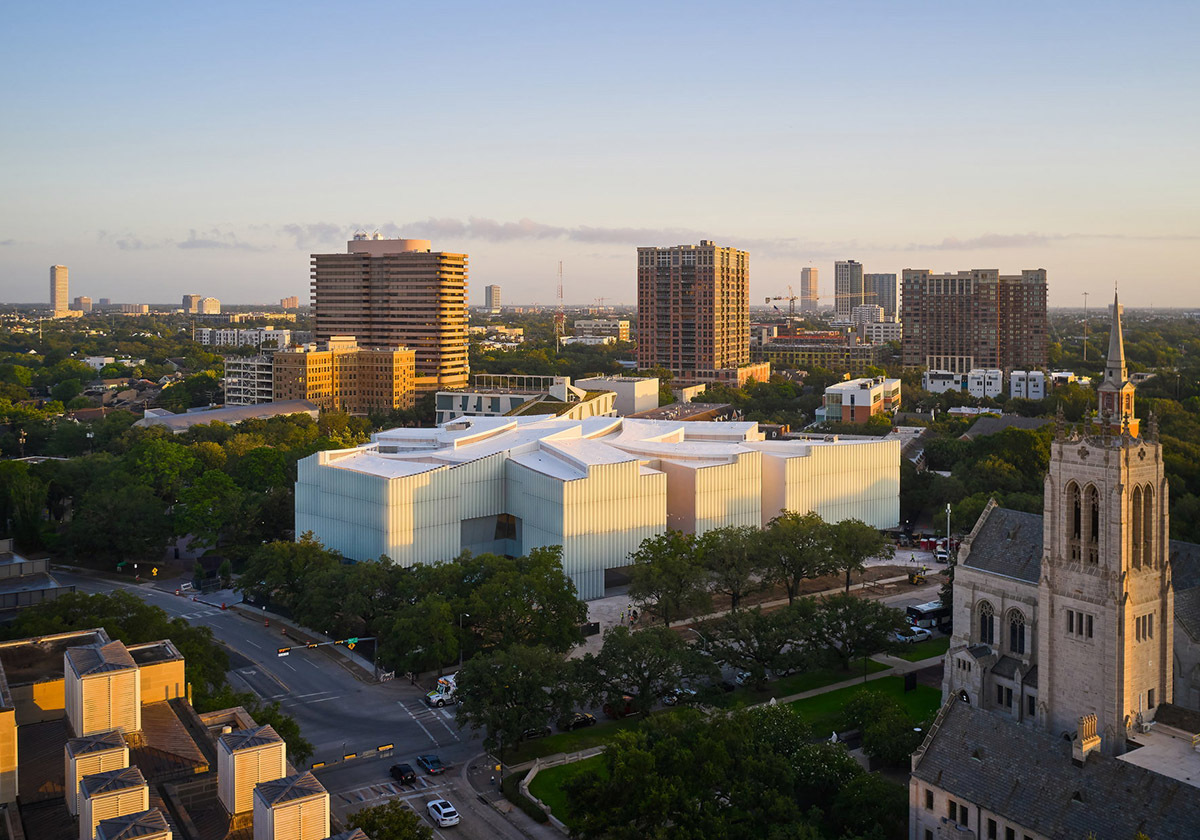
{"x":1000,"y":241}
{"x":216,"y":239}
{"x":307,"y":236}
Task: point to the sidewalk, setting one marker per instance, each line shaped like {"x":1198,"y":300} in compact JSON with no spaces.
{"x":479,"y":773}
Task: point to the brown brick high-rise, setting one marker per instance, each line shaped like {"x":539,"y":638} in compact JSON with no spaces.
{"x":974,"y":319}
{"x":694,"y":310}
{"x":397,"y":293}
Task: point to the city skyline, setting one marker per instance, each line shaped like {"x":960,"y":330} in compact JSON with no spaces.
{"x":177,"y":148}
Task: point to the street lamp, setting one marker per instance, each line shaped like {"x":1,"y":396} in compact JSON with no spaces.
{"x":461,"y":616}
{"x":90,"y":436}
{"x":947,"y":531}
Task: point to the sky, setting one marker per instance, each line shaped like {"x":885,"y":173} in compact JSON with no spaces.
{"x":158,"y":149}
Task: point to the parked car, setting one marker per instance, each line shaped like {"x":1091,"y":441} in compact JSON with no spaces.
{"x":431,"y":764}
{"x":535,"y":732}
{"x":675,"y":696}
{"x":404,"y":774}
{"x":575,"y":720}
{"x":443,"y":813}
{"x":911,"y":635}
{"x":743,"y":678}
{"x":622,"y":708}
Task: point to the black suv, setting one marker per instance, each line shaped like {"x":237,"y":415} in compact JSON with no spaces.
{"x":404,"y":774}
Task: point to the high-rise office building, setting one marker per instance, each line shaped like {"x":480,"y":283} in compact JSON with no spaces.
{"x":883,"y":290}
{"x":209,"y":306}
{"x":59,"y":299}
{"x":191,"y":304}
{"x":848,"y":290}
{"x":694,"y":311}
{"x":974,"y":319}
{"x":491,"y":298}
{"x":83,"y":303}
{"x":104,"y":302}
{"x":809,"y":299}
{"x":397,"y":293}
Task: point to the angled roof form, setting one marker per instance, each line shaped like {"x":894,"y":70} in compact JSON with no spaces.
{"x":111,"y":781}
{"x":563,"y":448}
{"x":100,"y":659}
{"x":356,"y":834}
{"x":288,"y":788}
{"x":98,"y":742}
{"x":1007,"y":768}
{"x":132,"y":826}
{"x":244,"y":739}
{"x":1006,"y":542}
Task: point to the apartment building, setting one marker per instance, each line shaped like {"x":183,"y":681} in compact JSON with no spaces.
{"x":694,"y":311}
{"x":339,"y":375}
{"x":397,"y":293}
{"x":883,"y":290}
{"x":1027,"y":384}
{"x":848,"y":289}
{"x":491,"y":298}
{"x":974,"y":319}
{"x":253,"y":337}
{"x":858,"y":400}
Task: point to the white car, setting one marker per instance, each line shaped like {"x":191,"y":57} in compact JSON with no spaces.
{"x":442,"y":813}
{"x":911,"y":635}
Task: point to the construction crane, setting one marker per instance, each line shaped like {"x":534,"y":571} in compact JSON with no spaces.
{"x":791,"y":297}
{"x":560,"y":317}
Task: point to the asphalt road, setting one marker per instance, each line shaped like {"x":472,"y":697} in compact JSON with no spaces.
{"x":340,"y":712}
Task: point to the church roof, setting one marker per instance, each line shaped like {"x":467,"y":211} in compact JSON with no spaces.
{"x":1028,"y":776}
{"x":1009,"y":543}
{"x":1185,"y":577}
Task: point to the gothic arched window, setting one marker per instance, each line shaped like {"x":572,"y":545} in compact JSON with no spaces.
{"x":1091,"y":537}
{"x":1148,"y":526}
{"x":987,"y":623}
{"x":1075,"y":512}
{"x":1136,"y":528}
{"x":1016,"y":632}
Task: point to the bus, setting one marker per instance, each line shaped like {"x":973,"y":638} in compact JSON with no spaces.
{"x":933,"y":615}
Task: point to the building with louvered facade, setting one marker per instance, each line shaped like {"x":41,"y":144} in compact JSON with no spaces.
{"x":292,"y":808}
{"x":244,"y":760}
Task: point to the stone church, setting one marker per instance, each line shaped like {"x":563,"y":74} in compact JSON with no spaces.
{"x":1073,"y":674}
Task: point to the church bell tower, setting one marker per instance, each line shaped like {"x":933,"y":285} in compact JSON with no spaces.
{"x":1105,"y":602}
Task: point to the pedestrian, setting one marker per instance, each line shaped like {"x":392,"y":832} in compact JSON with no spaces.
{"x":622,"y":616}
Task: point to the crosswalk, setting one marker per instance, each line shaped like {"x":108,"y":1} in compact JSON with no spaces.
{"x":365,"y":795}
{"x":192,"y":616}
{"x":432,"y":721}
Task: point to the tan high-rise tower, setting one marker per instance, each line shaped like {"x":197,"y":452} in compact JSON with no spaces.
{"x":694,"y":310}
{"x":1105,"y":603}
{"x":59,"y":299}
{"x":397,"y":293}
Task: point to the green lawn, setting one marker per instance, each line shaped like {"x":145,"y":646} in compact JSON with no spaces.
{"x":548,"y":784}
{"x":926,"y":649}
{"x":568,"y":742}
{"x":823,"y":711}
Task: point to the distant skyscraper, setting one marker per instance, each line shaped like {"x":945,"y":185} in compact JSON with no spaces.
{"x":883,"y":290}
{"x":191,"y":304}
{"x":290,"y":302}
{"x":848,"y":291}
{"x":694,"y":310}
{"x":974,"y":319}
{"x":209,"y":306}
{"x":83,"y":304}
{"x":59,"y":299}
{"x":104,"y":302}
{"x":397,"y":293}
{"x":491,"y":298}
{"x":808,"y":290}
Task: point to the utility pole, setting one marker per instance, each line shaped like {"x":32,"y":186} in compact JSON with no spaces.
{"x":560,"y":317}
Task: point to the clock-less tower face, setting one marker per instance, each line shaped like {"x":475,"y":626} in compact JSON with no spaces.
{"x":1105,"y":603}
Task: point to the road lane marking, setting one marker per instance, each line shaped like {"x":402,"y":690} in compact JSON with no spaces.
{"x":416,"y":721}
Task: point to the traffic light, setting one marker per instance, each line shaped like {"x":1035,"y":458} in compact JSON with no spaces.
{"x":284,"y":651}
{"x":311,"y":644}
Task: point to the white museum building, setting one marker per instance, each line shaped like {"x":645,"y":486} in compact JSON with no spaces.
{"x":597,"y":487}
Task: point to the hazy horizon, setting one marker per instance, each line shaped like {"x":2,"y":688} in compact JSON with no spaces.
{"x":159,"y":150}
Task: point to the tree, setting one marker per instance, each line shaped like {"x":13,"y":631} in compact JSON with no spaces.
{"x":511,"y":691}
{"x":390,"y":821}
{"x":118,"y":520}
{"x":667,"y":579}
{"x":279,"y":572}
{"x":870,"y":805}
{"x":759,"y":642}
{"x":422,"y":637}
{"x":733,"y":558}
{"x":643,"y":663}
{"x":208,"y":508}
{"x":851,"y":627}
{"x":889,"y":732}
{"x":853,"y":542}
{"x":522,"y":600}
{"x":796,"y":547}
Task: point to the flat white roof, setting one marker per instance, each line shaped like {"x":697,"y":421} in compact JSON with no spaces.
{"x":563,"y":448}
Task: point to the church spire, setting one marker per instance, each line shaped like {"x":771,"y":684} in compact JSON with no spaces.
{"x":1114,"y":365}
{"x":1116,"y":391}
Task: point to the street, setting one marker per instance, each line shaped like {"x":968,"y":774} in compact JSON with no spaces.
{"x":340,"y":711}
